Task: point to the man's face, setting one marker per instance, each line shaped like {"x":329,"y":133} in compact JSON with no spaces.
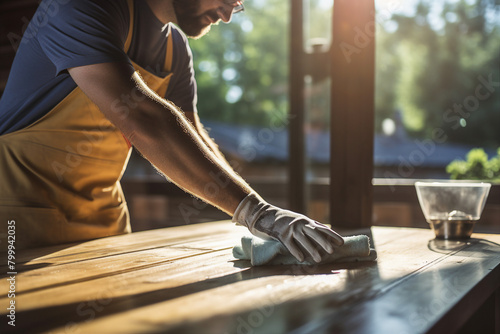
{"x":195,"y":17}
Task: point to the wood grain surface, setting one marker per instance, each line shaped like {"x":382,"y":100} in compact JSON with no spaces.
{"x":185,"y":280}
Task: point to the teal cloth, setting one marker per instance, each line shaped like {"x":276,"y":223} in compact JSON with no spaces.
{"x":272,"y":252}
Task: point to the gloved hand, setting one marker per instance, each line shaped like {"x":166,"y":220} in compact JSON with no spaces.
{"x":291,"y":229}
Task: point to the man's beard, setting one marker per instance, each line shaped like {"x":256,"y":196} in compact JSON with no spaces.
{"x":192,"y":25}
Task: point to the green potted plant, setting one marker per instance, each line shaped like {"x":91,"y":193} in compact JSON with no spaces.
{"x":476,"y":167}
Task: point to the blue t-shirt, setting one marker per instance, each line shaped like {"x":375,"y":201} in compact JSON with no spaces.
{"x":64,"y":34}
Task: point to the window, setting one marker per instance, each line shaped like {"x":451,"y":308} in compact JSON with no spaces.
{"x":429,"y":57}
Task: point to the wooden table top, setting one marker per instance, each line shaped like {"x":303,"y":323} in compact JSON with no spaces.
{"x":185,"y":280}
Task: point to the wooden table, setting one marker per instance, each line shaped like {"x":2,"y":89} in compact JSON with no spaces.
{"x":185,"y":280}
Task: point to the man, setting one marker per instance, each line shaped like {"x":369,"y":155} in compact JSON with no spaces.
{"x":90,"y":79}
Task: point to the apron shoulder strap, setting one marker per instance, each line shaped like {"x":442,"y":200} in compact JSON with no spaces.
{"x":128,"y":41}
{"x":167,"y":66}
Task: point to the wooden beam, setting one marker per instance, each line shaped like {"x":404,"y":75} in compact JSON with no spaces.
{"x":352,"y":112}
{"x":297,"y":168}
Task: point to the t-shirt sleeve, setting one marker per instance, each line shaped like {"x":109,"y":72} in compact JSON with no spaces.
{"x":183,"y":91}
{"x":79,"y":33}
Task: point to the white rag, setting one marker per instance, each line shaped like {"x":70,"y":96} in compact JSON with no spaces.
{"x":272,"y":252}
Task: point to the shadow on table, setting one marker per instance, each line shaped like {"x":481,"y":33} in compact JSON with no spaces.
{"x":452,"y":246}
{"x":24,"y":257}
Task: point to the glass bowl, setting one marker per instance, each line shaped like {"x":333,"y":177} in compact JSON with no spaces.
{"x":452,"y":208}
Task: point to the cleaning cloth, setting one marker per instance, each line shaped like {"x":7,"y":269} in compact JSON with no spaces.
{"x":272,"y":252}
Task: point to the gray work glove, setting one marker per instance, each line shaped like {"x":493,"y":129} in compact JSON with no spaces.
{"x":296,"y":232}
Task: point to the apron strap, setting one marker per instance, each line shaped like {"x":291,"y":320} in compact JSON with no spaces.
{"x":167,"y":65}
{"x":128,"y":42}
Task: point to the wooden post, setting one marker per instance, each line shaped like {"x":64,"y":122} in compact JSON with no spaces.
{"x":297,"y":169}
{"x":352,"y":112}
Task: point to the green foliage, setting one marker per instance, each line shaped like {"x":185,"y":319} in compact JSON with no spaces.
{"x":241,"y":67}
{"x":476,"y":167}
{"x":425,"y":70}
{"x":422,"y":70}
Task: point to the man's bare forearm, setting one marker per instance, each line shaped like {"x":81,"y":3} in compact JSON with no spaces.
{"x":165,"y":137}
{"x":212,"y":145}
{"x":174,"y":146}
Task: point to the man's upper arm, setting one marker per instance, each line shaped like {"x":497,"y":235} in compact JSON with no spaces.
{"x":83,"y":33}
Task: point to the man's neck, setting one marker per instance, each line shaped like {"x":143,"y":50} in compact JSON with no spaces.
{"x":163,"y":10}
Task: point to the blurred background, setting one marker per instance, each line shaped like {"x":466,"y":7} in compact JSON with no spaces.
{"x":437,"y":105}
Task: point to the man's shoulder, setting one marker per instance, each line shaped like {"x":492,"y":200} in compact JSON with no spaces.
{"x":181,"y":42}
{"x":53,"y":8}
{"x":74,"y":11}
{"x":178,"y":35}
{"x":82,"y":20}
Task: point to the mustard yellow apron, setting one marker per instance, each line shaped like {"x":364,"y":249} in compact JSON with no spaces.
{"x":60,"y":176}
